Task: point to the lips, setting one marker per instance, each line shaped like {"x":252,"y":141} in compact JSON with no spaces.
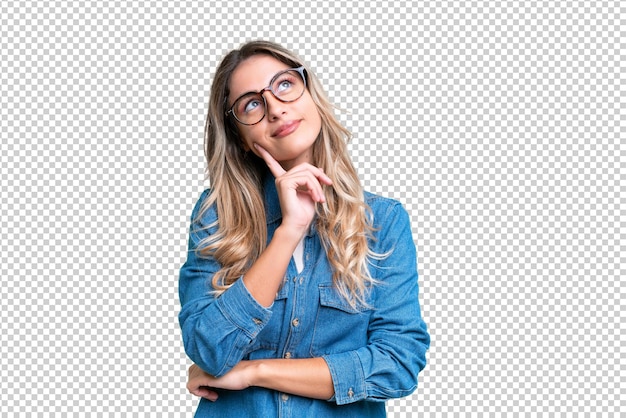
{"x":286,"y":129}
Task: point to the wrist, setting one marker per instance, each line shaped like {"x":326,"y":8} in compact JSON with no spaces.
{"x":290,"y":233}
{"x":256,"y":372}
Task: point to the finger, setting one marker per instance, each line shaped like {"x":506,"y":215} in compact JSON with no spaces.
{"x":201,"y":389}
{"x":276,"y":169}
{"x":303,"y":182}
{"x":323,"y":178}
{"x":318,"y":172}
{"x":205,"y":392}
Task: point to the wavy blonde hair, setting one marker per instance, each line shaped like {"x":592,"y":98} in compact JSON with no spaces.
{"x":344,"y":223}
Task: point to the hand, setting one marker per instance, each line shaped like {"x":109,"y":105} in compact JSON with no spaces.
{"x":299,"y":189}
{"x":198,"y":383}
{"x":202,"y":384}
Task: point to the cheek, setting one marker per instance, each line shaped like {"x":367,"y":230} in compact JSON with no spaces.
{"x":247,"y":137}
{"x":315,"y":117}
{"x":317,"y":120}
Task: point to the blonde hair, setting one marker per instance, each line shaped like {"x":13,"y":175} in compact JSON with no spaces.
{"x":344,"y":223}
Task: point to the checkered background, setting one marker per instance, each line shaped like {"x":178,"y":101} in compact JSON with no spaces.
{"x":499,"y":125}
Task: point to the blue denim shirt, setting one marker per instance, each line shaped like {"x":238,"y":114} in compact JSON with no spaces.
{"x":373,"y":353}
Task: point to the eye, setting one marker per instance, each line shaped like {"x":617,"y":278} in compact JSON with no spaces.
{"x":285,"y":82}
{"x":249,"y":104}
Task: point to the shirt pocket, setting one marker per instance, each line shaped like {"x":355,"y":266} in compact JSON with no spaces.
{"x":339,"y":327}
{"x":267,"y":342}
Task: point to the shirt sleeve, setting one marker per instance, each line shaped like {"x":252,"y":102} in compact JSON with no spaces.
{"x":387,"y":367}
{"x":216,"y":331}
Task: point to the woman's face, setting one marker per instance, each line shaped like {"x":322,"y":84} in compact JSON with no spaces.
{"x":288,"y":130}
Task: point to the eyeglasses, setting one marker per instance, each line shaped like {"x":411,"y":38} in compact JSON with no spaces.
{"x":287,"y":86}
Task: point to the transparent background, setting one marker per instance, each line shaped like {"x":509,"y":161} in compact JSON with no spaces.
{"x":499,"y":125}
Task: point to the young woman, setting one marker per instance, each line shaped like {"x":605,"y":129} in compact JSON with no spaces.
{"x":299,"y":294}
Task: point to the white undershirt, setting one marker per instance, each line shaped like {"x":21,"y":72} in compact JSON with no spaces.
{"x":298,"y":256}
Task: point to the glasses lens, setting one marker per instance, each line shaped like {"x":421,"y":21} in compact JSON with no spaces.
{"x":288,"y":86}
{"x":250,"y":108}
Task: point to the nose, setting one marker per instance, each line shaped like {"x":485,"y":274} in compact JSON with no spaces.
{"x":275,"y":108}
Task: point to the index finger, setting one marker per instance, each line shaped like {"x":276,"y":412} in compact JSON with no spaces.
{"x":276,"y":169}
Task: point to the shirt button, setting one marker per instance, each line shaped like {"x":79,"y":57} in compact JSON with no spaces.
{"x":285,"y":397}
{"x":287,"y":354}
{"x":350,"y":393}
{"x":295,"y":322}
{"x":257,"y":321}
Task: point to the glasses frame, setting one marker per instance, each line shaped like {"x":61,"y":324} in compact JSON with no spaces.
{"x":300,"y":71}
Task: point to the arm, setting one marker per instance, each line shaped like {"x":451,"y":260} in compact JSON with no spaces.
{"x":303,"y":377}
{"x":388,"y":365}
{"x":217,"y":331}
{"x":299,"y":189}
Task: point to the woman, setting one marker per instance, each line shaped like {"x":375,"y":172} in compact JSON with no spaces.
{"x":299,"y":294}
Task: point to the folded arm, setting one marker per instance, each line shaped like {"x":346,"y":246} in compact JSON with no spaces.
{"x":303,"y":377}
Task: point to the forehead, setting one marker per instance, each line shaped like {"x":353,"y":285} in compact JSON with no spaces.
{"x":253,"y":74}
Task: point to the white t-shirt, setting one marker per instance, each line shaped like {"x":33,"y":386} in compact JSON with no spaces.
{"x":298,"y":256}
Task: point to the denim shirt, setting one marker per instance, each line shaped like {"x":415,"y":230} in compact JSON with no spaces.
{"x":374,"y":353}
